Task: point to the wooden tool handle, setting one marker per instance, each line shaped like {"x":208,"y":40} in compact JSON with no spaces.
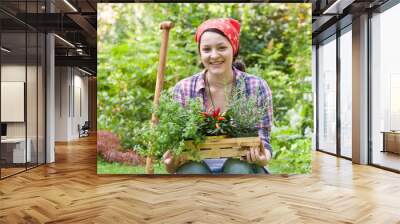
{"x":165,"y":27}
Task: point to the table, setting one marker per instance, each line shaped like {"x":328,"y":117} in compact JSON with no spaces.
{"x":391,"y":141}
{"x":13,"y":150}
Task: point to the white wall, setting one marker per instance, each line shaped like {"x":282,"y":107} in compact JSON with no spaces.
{"x":12,"y":101}
{"x":81,"y":100}
{"x":62,"y":81}
{"x":11,"y":73}
{"x":71,"y":93}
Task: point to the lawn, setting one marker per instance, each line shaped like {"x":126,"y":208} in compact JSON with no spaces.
{"x":104,"y":167}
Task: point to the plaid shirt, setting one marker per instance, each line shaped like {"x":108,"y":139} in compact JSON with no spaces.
{"x":194,"y":87}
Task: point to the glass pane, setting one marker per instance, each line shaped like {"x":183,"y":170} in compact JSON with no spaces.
{"x":386,"y":89}
{"x":22,"y":77}
{"x":31,"y":97}
{"x":327,"y":96}
{"x":13,"y":87}
{"x":346,"y":94}
{"x":31,"y":83}
{"x":41,"y":99}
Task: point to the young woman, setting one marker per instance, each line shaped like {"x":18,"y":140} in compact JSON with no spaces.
{"x":218,"y":47}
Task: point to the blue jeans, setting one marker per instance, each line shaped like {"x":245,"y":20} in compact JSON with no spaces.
{"x":230,"y":166}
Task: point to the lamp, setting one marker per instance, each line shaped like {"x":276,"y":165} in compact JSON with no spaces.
{"x":70,"y":5}
{"x":5,"y":49}
{"x":64,"y":40}
{"x":84,"y":71}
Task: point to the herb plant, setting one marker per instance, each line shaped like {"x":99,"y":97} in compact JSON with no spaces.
{"x":175,"y":125}
{"x":245,"y":112}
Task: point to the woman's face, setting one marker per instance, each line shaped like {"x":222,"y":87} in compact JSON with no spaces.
{"x":216,"y":53}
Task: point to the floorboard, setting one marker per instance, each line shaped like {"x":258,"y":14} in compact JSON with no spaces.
{"x":70,"y":191}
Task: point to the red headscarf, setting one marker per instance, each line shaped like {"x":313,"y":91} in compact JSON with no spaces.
{"x":230,"y":27}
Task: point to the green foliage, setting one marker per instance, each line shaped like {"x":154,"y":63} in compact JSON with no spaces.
{"x":291,"y":152}
{"x":245,"y":112}
{"x":275,"y":44}
{"x":175,"y":125}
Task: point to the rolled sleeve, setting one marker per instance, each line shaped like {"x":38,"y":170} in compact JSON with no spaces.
{"x":264,"y":134}
{"x":264,"y":97}
{"x":179,"y":94}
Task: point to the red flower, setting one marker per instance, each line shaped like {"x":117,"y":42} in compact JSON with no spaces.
{"x":221,"y":118}
{"x":205,"y":114}
{"x":216,"y":112}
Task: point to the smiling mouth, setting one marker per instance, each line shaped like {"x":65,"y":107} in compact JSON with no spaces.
{"x":216,"y":63}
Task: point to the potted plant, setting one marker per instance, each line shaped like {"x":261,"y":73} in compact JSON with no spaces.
{"x":201,"y":134}
{"x":232,"y":133}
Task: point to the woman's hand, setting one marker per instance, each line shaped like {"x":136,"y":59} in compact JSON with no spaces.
{"x":258,"y":156}
{"x":172,"y":163}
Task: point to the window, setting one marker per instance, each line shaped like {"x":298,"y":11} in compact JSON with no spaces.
{"x":346,"y":92}
{"x":385,"y":88}
{"x":327,"y":96}
{"x":22,"y":67}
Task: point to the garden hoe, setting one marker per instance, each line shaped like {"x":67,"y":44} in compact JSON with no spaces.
{"x":165,"y":27}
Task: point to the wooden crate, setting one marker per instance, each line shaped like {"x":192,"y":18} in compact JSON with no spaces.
{"x":220,"y":147}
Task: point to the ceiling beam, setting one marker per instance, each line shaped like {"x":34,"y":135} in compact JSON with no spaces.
{"x":337,"y":7}
{"x":81,"y":61}
{"x":86,"y":26}
{"x":321,"y":23}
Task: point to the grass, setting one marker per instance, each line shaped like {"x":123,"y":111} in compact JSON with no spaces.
{"x":104,"y":167}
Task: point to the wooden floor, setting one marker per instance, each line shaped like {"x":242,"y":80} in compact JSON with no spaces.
{"x":10,"y":171}
{"x":70,"y":191}
{"x":387,"y":159}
